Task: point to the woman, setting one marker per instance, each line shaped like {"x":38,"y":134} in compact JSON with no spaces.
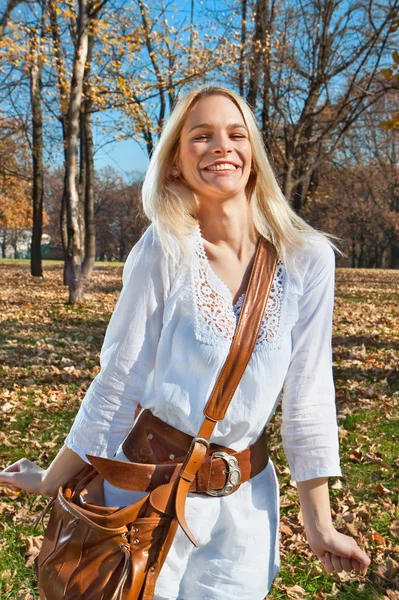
{"x":209,"y":192}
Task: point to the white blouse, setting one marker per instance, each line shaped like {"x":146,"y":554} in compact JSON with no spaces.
{"x":165,"y":344}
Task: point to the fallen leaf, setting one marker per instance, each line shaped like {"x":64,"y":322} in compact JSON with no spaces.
{"x":33,"y":545}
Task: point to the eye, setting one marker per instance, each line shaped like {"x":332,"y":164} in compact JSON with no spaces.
{"x":238,"y":135}
{"x":201,"y":137}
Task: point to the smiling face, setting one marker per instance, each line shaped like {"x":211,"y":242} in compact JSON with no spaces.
{"x":215,"y":152}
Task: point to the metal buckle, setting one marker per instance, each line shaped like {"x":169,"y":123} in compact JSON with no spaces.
{"x":233,"y":474}
{"x":200,"y":440}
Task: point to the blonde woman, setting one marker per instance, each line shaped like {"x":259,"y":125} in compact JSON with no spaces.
{"x":210,"y":192}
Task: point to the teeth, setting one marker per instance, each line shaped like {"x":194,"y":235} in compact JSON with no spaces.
{"x":221,"y":167}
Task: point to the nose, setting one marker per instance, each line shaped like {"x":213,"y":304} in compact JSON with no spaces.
{"x":222,"y":144}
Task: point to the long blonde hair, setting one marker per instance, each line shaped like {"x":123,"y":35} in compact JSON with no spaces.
{"x":172,"y":207}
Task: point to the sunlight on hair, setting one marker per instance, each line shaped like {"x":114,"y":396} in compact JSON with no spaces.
{"x":172,"y":207}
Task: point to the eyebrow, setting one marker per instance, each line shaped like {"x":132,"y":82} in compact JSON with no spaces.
{"x":209,"y":126}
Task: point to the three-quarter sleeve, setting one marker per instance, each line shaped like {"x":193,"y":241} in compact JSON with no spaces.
{"x":127,"y":354}
{"x":309,"y":428}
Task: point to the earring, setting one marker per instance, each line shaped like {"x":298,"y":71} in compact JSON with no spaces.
{"x":175,"y":171}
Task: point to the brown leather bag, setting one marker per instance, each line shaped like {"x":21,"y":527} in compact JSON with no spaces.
{"x":94,"y":552}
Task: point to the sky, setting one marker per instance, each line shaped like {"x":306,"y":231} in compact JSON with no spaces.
{"x":128,"y":156}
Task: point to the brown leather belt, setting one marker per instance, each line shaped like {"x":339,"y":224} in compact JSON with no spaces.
{"x":157,"y":450}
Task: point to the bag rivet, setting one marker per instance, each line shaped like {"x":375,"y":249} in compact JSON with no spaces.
{"x":137,"y":541}
{"x":135,"y":529}
{"x":171,"y":456}
{"x":152,"y":569}
{"x":150,"y":436}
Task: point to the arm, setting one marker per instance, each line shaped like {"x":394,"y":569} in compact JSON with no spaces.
{"x":127,"y":357}
{"x":128,"y":353}
{"x":309,"y":425}
{"x":26,"y":475}
{"x":337,"y":552}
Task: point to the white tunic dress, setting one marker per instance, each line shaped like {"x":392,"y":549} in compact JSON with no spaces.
{"x":165,"y":344}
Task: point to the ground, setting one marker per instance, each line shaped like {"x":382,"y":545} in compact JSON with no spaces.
{"x":49,"y":353}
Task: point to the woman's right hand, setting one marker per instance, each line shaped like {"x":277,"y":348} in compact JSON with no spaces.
{"x":24,"y":475}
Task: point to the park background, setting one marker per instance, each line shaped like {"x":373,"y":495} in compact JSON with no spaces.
{"x":85,"y":89}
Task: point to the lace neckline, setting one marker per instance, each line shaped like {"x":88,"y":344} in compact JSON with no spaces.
{"x":219,"y":283}
{"x":215,"y":315}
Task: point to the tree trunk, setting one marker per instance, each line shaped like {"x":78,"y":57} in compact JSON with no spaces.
{"x":74,"y":247}
{"x":394,"y":262}
{"x":37,"y":155}
{"x":287,"y":179}
{"x":4,"y":243}
{"x":255,"y":62}
{"x":63,"y":91}
{"x":241,"y":72}
{"x":88,"y":194}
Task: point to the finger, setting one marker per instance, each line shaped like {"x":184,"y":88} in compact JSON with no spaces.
{"x":9,"y":480}
{"x":362,"y":558}
{"x":327,"y":564}
{"x":11,"y":469}
{"x":346,"y":564}
{"x":336,"y":561}
{"x":355,"y":564}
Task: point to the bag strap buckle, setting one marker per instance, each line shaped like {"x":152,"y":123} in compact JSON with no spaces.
{"x":233,"y":474}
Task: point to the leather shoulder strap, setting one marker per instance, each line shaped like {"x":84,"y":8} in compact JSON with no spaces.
{"x":241,"y":349}
{"x":246,"y":334}
{"x":242,"y":345}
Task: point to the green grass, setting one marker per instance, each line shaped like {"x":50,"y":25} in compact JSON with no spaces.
{"x":12,"y":561}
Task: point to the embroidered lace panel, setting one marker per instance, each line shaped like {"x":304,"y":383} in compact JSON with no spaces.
{"x":215,"y":315}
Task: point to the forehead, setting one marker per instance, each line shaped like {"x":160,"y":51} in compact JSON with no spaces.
{"x":214,"y":110}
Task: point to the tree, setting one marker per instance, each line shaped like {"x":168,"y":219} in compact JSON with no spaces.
{"x":358,"y":194}
{"x":87,"y":12}
{"x":21,"y":45}
{"x":391,"y":75}
{"x":15,"y":183}
{"x":313,"y":71}
{"x":35,"y":76}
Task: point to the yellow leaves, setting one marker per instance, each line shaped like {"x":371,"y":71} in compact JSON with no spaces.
{"x":391,"y":124}
{"x":395,"y":26}
{"x":387,"y":73}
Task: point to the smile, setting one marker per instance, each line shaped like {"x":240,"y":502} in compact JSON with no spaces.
{"x":222,"y":167}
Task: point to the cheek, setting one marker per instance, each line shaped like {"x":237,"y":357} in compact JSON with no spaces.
{"x":190,"y":157}
{"x":247,"y":151}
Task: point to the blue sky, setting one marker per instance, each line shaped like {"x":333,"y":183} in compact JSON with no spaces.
{"x":125,"y":157}
{"x":128,"y":156}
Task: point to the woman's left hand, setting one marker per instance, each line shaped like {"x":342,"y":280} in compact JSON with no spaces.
{"x":338,"y":552}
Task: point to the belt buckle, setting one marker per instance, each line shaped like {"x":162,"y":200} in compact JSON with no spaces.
{"x":233,"y":475}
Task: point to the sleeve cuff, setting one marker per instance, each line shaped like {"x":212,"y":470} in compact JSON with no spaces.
{"x":315,"y":472}
{"x":77,"y":450}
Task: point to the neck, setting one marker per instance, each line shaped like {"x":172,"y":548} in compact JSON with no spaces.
{"x":227,"y":223}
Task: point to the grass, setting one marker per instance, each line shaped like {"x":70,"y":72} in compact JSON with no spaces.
{"x":49,"y":354}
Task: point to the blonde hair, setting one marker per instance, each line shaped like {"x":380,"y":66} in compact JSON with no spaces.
{"x":172,"y":207}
